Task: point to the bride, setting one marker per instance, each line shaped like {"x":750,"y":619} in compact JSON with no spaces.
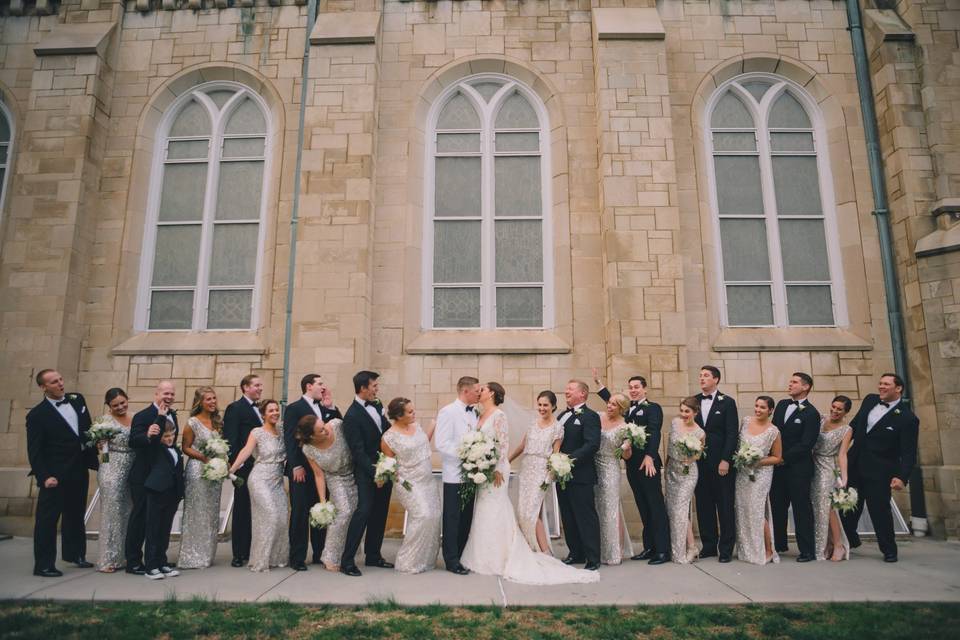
{"x":495,"y":545}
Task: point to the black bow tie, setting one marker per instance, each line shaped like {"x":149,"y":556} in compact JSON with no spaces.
{"x":709,"y":396}
{"x":61,"y":402}
{"x":468,"y":408}
{"x":319,"y":403}
{"x":634,"y":403}
{"x":370,"y":403}
{"x":796,"y":402}
{"x":885,"y":405}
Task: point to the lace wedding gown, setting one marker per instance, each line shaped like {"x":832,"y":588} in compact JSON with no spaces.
{"x":496,"y":546}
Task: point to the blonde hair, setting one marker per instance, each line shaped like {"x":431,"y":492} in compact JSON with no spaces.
{"x":197,"y":406}
{"x":622,"y":402}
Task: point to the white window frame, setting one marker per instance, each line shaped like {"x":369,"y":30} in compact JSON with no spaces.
{"x":6,"y":166}
{"x":487,"y":112}
{"x":202,"y":288}
{"x":760,"y":114}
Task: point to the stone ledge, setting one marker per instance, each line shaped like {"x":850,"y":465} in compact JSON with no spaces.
{"x":199,"y":343}
{"x":628,"y":24}
{"x":353,"y":27}
{"x":75,"y":39}
{"x":889,"y":24}
{"x":526,"y":341}
{"x":792,"y":339}
{"x":946,"y":238}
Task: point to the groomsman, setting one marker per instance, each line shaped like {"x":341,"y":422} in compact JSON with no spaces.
{"x":145,"y":431}
{"x":56,"y":435}
{"x":164,"y":488}
{"x":643,"y":471}
{"x":578,"y":512}
{"x":363,"y":427}
{"x":799,"y":424}
{"x":881,"y":459}
{"x":303,"y":488}
{"x":715,"y":484}
{"x":453,"y":421}
{"x":240,"y":418}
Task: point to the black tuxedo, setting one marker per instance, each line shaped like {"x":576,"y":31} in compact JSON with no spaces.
{"x":55,"y":450}
{"x":163,"y":486}
{"x":647,"y":491}
{"x":145,"y":448}
{"x":578,"y":511}
{"x":791,"y":480}
{"x":239,"y":419}
{"x":888,"y":451}
{"x":363,"y":437}
{"x":715,"y":493}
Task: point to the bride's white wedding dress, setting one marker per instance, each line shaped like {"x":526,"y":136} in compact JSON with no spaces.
{"x":495,"y":545}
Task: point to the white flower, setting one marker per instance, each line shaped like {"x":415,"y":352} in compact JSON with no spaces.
{"x":215,"y":470}
{"x":322,"y":514}
{"x":478,"y":478}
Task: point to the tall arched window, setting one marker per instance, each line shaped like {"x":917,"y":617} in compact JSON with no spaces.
{"x":6,"y":143}
{"x":487,"y":263}
{"x":778,"y":244}
{"x":202,"y":246}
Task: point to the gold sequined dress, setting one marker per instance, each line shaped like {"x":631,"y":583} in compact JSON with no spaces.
{"x":114,"y":499}
{"x":533,"y":472}
{"x":826,"y":471}
{"x":337,"y":466}
{"x":614,"y":537}
{"x":679,"y":495}
{"x":269,"y":545}
{"x":201,"y":509}
{"x":752,"y":499}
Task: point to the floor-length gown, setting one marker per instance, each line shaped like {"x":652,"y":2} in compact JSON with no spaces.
{"x":269,"y":543}
{"x":115,"y":503}
{"x":533,"y":472}
{"x":201,"y":509}
{"x":752,"y":499}
{"x":679,"y":496}
{"x":337,"y":465}
{"x":421,"y":542}
{"x":495,"y":545}
{"x":826,"y":472}
{"x":614,"y":538}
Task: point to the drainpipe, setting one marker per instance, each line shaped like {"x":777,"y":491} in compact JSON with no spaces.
{"x":295,"y":215}
{"x":881,"y":212}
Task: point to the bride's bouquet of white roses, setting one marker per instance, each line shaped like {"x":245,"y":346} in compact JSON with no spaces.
{"x":385,"y":470}
{"x":689,"y":446}
{"x":560,"y":469}
{"x":746,"y":457}
{"x":843,"y":499}
{"x":215,"y":446}
{"x":633,"y":434}
{"x":103,"y":431}
{"x":322,"y":514}
{"x":478,"y":461}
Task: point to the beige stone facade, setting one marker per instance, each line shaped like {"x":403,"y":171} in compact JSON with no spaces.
{"x":625,"y":85}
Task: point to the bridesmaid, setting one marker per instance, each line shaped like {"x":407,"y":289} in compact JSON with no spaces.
{"x":542,"y":438}
{"x":115,"y":501}
{"x":201,"y":502}
{"x":614,"y":537}
{"x":680,"y":485}
{"x":410,"y":445}
{"x":752,"y":498}
{"x":830,"y":470}
{"x":326,"y":450}
{"x":269,"y":545}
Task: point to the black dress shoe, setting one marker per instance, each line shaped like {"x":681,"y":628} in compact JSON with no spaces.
{"x":592,"y":566}
{"x":236,"y":562}
{"x":47,"y":573}
{"x":380,"y":562}
{"x":707,"y":554}
{"x":137,"y":570}
{"x":805,"y":558}
{"x":646,"y":554}
{"x":81,"y":563}
{"x":660,"y":558}
{"x":300,"y":566}
{"x":890,"y":557}
{"x":725,"y":558}
{"x":460,"y":570}
{"x":854,"y":542}
{"x":317,"y":560}
{"x":572,"y":560}
{"x":350,"y":571}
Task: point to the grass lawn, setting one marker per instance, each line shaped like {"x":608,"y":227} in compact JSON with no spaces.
{"x":383,"y":621}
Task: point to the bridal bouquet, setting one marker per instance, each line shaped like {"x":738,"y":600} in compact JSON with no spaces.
{"x":560,"y":467}
{"x":102,"y":431}
{"x":746,"y":457}
{"x":217,"y":470}
{"x":215,"y":447}
{"x":844,"y":500}
{"x":385,"y":470}
{"x":634,"y":434}
{"x":689,"y":446}
{"x":322,"y":514}
{"x":478,"y":461}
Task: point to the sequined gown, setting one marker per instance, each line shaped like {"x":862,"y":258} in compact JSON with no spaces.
{"x":826,"y":471}
{"x":337,"y":466}
{"x":752,"y":499}
{"x":679,"y":496}
{"x":269,"y":545}
{"x":614,"y":537}
{"x":115,"y":501}
{"x":201,"y":509}
{"x":533,"y":472}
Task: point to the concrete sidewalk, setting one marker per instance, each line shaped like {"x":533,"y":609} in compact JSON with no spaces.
{"x":928,"y":571}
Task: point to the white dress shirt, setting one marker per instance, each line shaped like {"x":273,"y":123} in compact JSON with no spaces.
{"x":564,"y":414}
{"x":313,"y":405}
{"x":371,"y":411}
{"x":68,"y":412}
{"x":878,"y":412}
{"x":791,"y":409}
{"x":453,"y":421}
{"x":173,"y":454}
{"x":706,"y":404}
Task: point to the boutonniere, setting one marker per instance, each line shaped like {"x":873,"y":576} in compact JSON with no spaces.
{"x":644,"y":402}
{"x":71,"y":396}
{"x":801,"y":407}
{"x":719,"y":398}
{"x":476,"y":410}
{"x":578,"y":412}
{"x":896,"y":411}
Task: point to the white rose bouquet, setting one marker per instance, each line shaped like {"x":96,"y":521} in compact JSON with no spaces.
{"x":689,"y":446}
{"x":560,"y":469}
{"x":844,"y":500}
{"x":103,"y":431}
{"x":478,"y":455}
{"x":745,"y":459}
{"x":322,"y":514}
{"x":215,"y":447}
{"x":385,"y":470}
{"x":633,"y":434}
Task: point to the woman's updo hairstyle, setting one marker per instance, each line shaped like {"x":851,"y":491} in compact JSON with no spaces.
{"x":499,"y":393}
{"x":550,"y":396}
{"x":304,"y":429}
{"x":396,"y":408}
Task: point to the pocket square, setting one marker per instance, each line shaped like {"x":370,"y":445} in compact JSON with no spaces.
{"x":577,"y":421}
{"x":797,"y":421}
{"x":889,"y":428}
{"x":83,"y":410}
{"x":640,"y":413}
{"x":716,"y":413}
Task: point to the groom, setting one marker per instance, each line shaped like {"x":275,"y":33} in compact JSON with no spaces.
{"x":581,"y":439}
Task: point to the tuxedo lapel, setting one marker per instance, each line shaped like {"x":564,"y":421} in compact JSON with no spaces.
{"x":253,"y":413}
{"x":885,"y":420}
{"x":363,"y":409}
{"x":56,"y":415}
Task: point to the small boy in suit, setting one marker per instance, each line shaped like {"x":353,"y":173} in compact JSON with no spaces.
{"x":164,"y":487}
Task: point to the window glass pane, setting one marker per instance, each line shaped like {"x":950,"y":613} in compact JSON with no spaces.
{"x":757,"y":88}
{"x":246,"y":118}
{"x":519,"y":307}
{"x":518,"y":142}
{"x":171,"y":310}
{"x":787,"y":113}
{"x":744,"y":246}
{"x":517,"y":186}
{"x":746,"y":141}
{"x":3,"y":153}
{"x":187,"y":149}
{"x":178,"y":253}
{"x":239,"y":195}
{"x":749,"y":305}
{"x":457,"y":187}
{"x":453,"y":142}
{"x":458,"y":307}
{"x":804,"y":249}
{"x":456,"y":251}
{"x":791,"y":141}
{"x":519,"y":251}
{"x":796,"y":185}
{"x":181,"y":197}
{"x":487,"y":89}
{"x":516,"y":113}
{"x":4,"y":129}
{"x":191,"y":121}
{"x":243,"y":147}
{"x":458,"y":114}
{"x":229,"y":309}
{"x":234,"y":259}
{"x":221,"y":96}
{"x":738,"y":185}
{"x":809,"y":305}
{"x":731,"y":114}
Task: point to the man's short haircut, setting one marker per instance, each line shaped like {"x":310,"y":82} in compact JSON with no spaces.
{"x":362,"y":379}
{"x":43,"y":374}
{"x":310,"y":378}
{"x":247,"y":380}
{"x":712,"y":369}
{"x":897,"y":380}
{"x":807,"y":379}
{"x":640,"y":379}
{"x":466,"y":381}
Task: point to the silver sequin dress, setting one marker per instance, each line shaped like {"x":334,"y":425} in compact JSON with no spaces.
{"x":114,"y":498}
{"x":418,"y":552}
{"x":201,"y":509}
{"x":752,"y":499}
{"x":679,"y":496}
{"x":337,"y":466}
{"x":825,"y":473}
{"x":270,"y":545}
{"x":533,"y":472}
{"x":614,"y":537}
